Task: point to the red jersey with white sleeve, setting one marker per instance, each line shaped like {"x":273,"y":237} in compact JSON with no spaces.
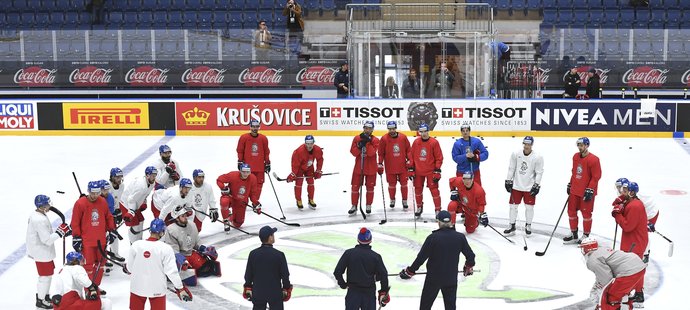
{"x":393,"y":153}
{"x":370,"y":162}
{"x":633,"y":222}
{"x":253,"y":151}
{"x":40,"y":238}
{"x":586,"y":173}
{"x":242,"y":190}
{"x":91,"y":220}
{"x":150,"y":262}
{"x":426,"y":156}
{"x":305,"y":161}
{"x":473,"y":199}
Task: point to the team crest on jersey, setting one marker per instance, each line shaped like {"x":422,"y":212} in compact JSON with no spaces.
{"x":579,"y":171}
{"x":95,"y":217}
{"x":242,"y":190}
{"x":464,"y":200}
{"x":422,"y":154}
{"x":309,"y":163}
{"x":197,"y":200}
{"x":523,"y":167}
{"x":188,"y":240}
{"x":255,"y":149}
{"x":396,"y":150}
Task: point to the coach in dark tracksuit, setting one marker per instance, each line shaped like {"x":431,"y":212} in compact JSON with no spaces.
{"x":266,"y":268}
{"x":442,"y":248}
{"x":364,"y":268}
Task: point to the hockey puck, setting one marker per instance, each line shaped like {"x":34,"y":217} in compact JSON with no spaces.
{"x":630,"y":148}
{"x":344,"y":191}
{"x":425,"y":221}
{"x":525,"y":248}
{"x":60,"y":192}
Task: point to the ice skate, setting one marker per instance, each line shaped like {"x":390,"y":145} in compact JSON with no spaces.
{"x":510,"y":231}
{"x":572,"y":239}
{"x":352,"y":210}
{"x":418,"y":213}
{"x":638,"y":300}
{"x":299,"y":205}
{"x":528,"y":229}
{"x":43,"y":303}
{"x":312,"y":204}
{"x":405,"y":206}
{"x":392,"y":204}
{"x":368,"y":209}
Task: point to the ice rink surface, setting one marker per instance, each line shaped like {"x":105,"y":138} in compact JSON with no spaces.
{"x":510,"y":278}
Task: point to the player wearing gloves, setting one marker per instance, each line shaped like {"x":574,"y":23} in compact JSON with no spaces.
{"x":650,"y":208}
{"x":468,"y":152}
{"x":393,"y":151}
{"x":169,"y":198}
{"x":364,"y":267}
{"x":582,"y":189}
{"x":40,"y":246}
{"x":307,"y":161}
{"x":442,"y":248}
{"x":169,"y":173}
{"x":617,"y":273}
{"x":150,"y":263}
{"x":267,"y":278}
{"x":236,"y":189}
{"x":522,"y":182}
{"x":203,"y":199}
{"x":425,"y":164}
{"x":468,"y":199}
{"x":116,"y":189}
{"x":133,"y":201}
{"x":252,"y":149}
{"x":364,"y":148}
{"x":112,"y":238}
{"x":74,"y":290}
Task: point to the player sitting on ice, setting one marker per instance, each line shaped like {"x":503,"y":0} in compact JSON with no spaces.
{"x":236,"y":189}
{"x":304,"y":159}
{"x":172,"y":197}
{"x":193,"y":259}
{"x":468,"y":198}
{"x":73,"y":283}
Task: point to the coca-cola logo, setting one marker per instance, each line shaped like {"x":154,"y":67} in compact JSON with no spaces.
{"x":543,"y":75}
{"x":90,"y":76}
{"x":316,"y":76}
{"x":645,"y":76}
{"x":261,"y":76}
{"x":35,"y":76}
{"x":685,"y":79}
{"x":147,"y":76}
{"x":583,"y":72}
{"x":203,"y":76}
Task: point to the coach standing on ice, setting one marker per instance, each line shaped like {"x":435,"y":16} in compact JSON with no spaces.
{"x":267,"y":278}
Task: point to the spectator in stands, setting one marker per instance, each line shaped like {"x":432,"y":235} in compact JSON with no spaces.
{"x":262,"y":41}
{"x":411,"y":85}
{"x":572,"y":83}
{"x":295,"y":25}
{"x":391,"y":90}
{"x":342,"y":80}
{"x":96,"y":8}
{"x":443,"y":81}
{"x":593,"y":84}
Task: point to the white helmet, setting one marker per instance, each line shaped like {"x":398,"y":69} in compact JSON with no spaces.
{"x":588,"y":244}
{"x":180,"y":210}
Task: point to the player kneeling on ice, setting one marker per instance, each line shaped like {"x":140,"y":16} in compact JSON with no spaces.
{"x":236,"y":189}
{"x":468,"y":199}
{"x":524,"y":175}
{"x":304,"y":159}
{"x":193,"y":259}
{"x":74,"y":290}
{"x":617,"y":273}
{"x":152,"y":264}
{"x":442,"y":248}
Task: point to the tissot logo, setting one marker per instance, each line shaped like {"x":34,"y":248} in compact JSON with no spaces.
{"x":330,"y":112}
{"x":452,"y":112}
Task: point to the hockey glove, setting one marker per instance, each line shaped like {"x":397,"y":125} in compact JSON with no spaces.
{"x":650,"y":227}
{"x":213,"y":214}
{"x":210,"y":252}
{"x":568,"y":190}
{"x":380,"y":169}
{"x":267,"y":167}
{"x":509,"y":185}
{"x":287,"y":293}
{"x":175,"y":176}
{"x":364,"y":138}
{"x":406,"y":274}
{"x":617,"y":210}
{"x":410,"y":173}
{"x":436,"y":176}
{"x":257,"y":208}
{"x":384,"y":298}
{"x":239,"y":164}
{"x":77,"y":244}
{"x":170,"y":168}
{"x":117,"y":216}
{"x":63,"y":230}
{"x":589,"y":194}
{"x":454,"y":195}
{"x":467,"y":270}
{"x":92,"y":292}
{"x":183,"y":293}
{"x":247,"y":292}
{"x":484,"y":219}
{"x":142,"y":208}
{"x":291,"y":177}
{"x":619,"y":200}
{"x":318,"y":174}
{"x":56,"y":299}
{"x":535,"y":189}
{"x":225,"y":191}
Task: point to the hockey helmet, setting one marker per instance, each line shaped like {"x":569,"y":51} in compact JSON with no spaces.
{"x":94,"y":187}
{"x":164,"y":149}
{"x":197,"y":173}
{"x":621,"y":181}
{"x":151,"y":170}
{"x":632,"y":187}
{"x":157,"y":226}
{"x":105,"y":185}
{"x":528,"y":140}
{"x":42,"y":200}
{"x":116,"y":172}
{"x":588,"y":244}
{"x":184,"y":182}
{"x":309,"y":139}
{"x":74,"y":256}
{"x":583,"y":140}
{"x":391,"y":125}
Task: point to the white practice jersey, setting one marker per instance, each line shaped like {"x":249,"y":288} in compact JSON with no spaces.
{"x":525,"y":170}
{"x":117,"y":193}
{"x":136,"y":193}
{"x":150,"y":262}
{"x":182,"y":239}
{"x":650,"y":206}
{"x":169,"y":198}
{"x":607,"y":264}
{"x":72,"y":278}
{"x":40,"y":238}
{"x":202,"y":199}
{"x":163,"y":178}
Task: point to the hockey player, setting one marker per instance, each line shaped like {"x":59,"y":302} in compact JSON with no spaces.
{"x":617,"y":273}
{"x":151,"y":264}
{"x":203,"y":199}
{"x":133,"y":201}
{"x":184,"y":239}
{"x":40,"y":246}
{"x":116,"y":189}
{"x":582,"y":189}
{"x":307,"y":161}
{"x":236,"y":189}
{"x":72,"y":283}
{"x":169,"y":173}
{"x":267,"y":278}
{"x":105,"y":193}
{"x":468,"y":152}
{"x":468,"y":199}
{"x":632,"y":218}
{"x":393,"y":151}
{"x":92,"y":222}
{"x":252,"y":149}
{"x":172,"y":197}
{"x":364,"y":267}
{"x":650,"y":208}
{"x":364,"y":148}
{"x":442,"y":248}
{"x":522,"y":182}
{"x":425,"y":163}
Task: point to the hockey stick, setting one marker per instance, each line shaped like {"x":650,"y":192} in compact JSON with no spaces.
{"x":266,"y":214}
{"x":670,"y":246}
{"x":615,"y":235}
{"x":77,"y":182}
{"x":107,"y":256}
{"x":275,"y":175}
{"x":132,"y":230}
{"x":383,"y":197}
{"x":504,"y":237}
{"x":554,"y":230}
{"x":414,"y":204}
{"x":62,"y":217}
{"x":278,"y":200}
{"x":525,"y":240}
{"x":424,"y":272}
{"x":388,"y":294}
{"x":361,"y":183}
{"x":222,"y":222}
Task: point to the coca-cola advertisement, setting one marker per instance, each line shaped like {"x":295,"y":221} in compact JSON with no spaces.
{"x":261,"y":76}
{"x":147,"y":76}
{"x":204,"y":76}
{"x":645,"y":76}
{"x":35,"y":76}
{"x":316,"y":76}
{"x":583,"y":72}
{"x":91,"y":76}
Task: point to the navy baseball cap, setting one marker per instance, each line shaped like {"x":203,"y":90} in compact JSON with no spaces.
{"x":443,"y":216}
{"x":266,"y":232}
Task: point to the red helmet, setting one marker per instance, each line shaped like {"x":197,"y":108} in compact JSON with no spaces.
{"x":588,"y":245}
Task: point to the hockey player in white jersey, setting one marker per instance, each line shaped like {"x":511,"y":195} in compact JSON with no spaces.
{"x":150,"y":262}
{"x":202,"y":199}
{"x":172,"y":197}
{"x":74,"y":289}
{"x":116,"y":190}
{"x":525,"y":170}
{"x":40,"y":246}
{"x":169,"y":173}
{"x":133,"y":201}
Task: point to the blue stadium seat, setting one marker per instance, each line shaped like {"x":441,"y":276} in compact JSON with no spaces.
{"x":534,"y":4}
{"x":236,"y":5}
{"x":611,"y":18}
{"x":596,"y":18}
{"x":643,"y":19}
{"x":193,"y":5}
{"x":20,"y":6}
{"x":79,"y":5}
{"x":550,"y":16}
{"x":565,"y":4}
{"x":131,"y":20}
{"x":250,"y":19}
{"x":33,"y":5}
{"x":251,"y":5}
{"x":72,"y":19}
{"x":145,"y":19}
{"x":57,"y":18}
{"x":178,"y":5}
{"x":236,"y":20}
{"x":205,"y":20}
{"x":209,"y":5}
{"x":643,"y":48}
{"x":328,"y":6}
{"x":121,"y":5}
{"x":220,"y":19}
{"x":627,"y":17}
{"x":311,"y":7}
{"x":175,"y":19}
{"x":150,"y":5}
{"x":160,"y":19}
{"x":13,"y":19}
{"x":269,"y":4}
{"x":675,"y":48}
{"x":673,"y":16}
{"x":610,"y":3}
{"x":566,"y":18}
{"x":42,"y":20}
{"x":189,"y":19}
{"x":28,"y":19}
{"x":580,"y":17}
{"x":267,"y":16}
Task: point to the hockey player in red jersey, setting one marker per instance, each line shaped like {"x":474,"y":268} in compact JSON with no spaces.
{"x":582,"y":189}
{"x":236,"y":189}
{"x":252,"y":149}
{"x":632,"y":218}
{"x":425,"y":163}
{"x":307,"y":161}
{"x":468,"y":198}
{"x":368,"y":143}
{"x":393,"y":151}
{"x":92,"y":222}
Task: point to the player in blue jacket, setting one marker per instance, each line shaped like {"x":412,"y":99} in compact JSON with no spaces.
{"x":468,"y":152}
